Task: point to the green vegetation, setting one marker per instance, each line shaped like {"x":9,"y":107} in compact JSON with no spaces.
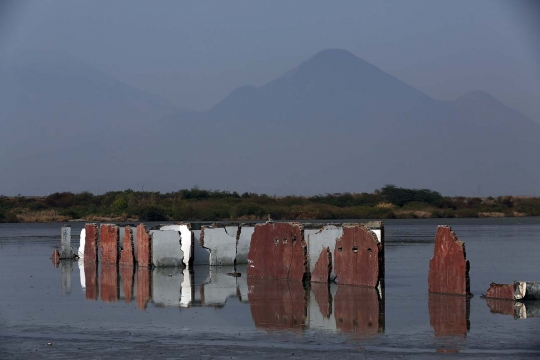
{"x":198,"y":204}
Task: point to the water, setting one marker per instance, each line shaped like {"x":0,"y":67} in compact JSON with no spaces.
{"x":203,"y":314}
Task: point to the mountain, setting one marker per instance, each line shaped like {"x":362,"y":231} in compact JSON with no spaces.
{"x":335,"y":123}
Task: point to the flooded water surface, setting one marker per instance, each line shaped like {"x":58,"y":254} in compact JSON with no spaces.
{"x":73,"y":311}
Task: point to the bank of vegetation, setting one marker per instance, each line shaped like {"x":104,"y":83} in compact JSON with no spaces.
{"x":205,"y":205}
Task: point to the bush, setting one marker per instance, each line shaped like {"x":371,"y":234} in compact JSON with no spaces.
{"x":151,"y":213}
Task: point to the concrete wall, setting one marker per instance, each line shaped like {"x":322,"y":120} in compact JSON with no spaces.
{"x":221,"y":242}
{"x":201,"y":256}
{"x":121,"y":234}
{"x":167,"y":248}
{"x":82,"y":240}
{"x":187,"y":239}
{"x":244,"y":242}
{"x":66,"y":251}
{"x":319,"y":239}
{"x":109,"y":244}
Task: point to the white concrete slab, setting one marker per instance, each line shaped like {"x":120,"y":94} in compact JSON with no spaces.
{"x":166,"y":249}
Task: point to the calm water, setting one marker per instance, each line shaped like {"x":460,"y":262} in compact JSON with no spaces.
{"x":105,"y":313}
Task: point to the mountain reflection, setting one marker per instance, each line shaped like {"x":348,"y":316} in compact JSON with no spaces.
{"x":274,"y":304}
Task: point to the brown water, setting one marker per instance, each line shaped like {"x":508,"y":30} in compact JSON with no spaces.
{"x":110,"y":313}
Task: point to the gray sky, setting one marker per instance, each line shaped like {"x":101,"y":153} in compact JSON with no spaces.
{"x":194,"y":53}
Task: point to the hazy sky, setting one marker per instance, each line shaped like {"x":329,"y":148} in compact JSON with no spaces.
{"x":194,"y":53}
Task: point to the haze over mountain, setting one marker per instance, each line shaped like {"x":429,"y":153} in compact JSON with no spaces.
{"x":335,"y":123}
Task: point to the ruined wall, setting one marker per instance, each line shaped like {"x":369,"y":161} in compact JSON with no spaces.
{"x":66,"y":251}
{"x":221,"y":242}
{"x":449,"y":267}
{"x":244,"y":243}
{"x":91,"y":244}
{"x":187,"y":240}
{"x":321,"y":243}
{"x":200,"y":254}
{"x":144,"y":250}
{"x":278,"y":251}
{"x":127,"y":255}
{"x":82,"y":241}
{"x":358,"y":255}
{"x":108,"y":244}
{"x":166,"y":248}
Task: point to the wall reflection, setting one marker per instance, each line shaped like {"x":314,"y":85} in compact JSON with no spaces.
{"x":517,"y":309}
{"x":274,"y":304}
{"x":449,"y":314}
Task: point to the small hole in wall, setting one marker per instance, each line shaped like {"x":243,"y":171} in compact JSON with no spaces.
{"x":355,"y":249}
{"x":276,"y":240}
{"x":284,"y":240}
{"x":340,"y":249}
{"x":294,"y":238}
{"x":369,"y":250}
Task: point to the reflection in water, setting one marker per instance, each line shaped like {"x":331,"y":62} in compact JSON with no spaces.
{"x":517,"y":309}
{"x":277,"y":304}
{"x":82,"y":277}
{"x":449,"y":314}
{"x":91,"y":281}
{"x":143,"y":287}
{"x":108,"y":282}
{"x":66,"y":267}
{"x":274,"y":304}
{"x":127,"y":277}
{"x":359,"y":310}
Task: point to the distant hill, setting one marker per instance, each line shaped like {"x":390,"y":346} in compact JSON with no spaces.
{"x":335,"y":123}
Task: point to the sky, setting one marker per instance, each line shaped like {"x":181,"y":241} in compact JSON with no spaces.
{"x":194,"y":53}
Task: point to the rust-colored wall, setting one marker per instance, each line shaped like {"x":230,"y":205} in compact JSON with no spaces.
{"x":91,"y":280}
{"x":127,"y":255}
{"x":277,"y":304}
{"x":359,"y":310}
{"x":91,"y":244}
{"x":110,"y":291}
{"x":127,"y":275}
{"x":108,"y":245}
{"x":500,"y":291}
{"x":323,"y":267}
{"x":365,"y":266}
{"x":449,"y":314}
{"x":449,"y":268}
{"x":278,"y":251}
{"x":144,"y":250}
{"x":144,"y":286}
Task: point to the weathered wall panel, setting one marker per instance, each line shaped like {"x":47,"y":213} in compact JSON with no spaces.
{"x":317,"y":241}
{"x":500,"y":291}
{"x":278,"y":304}
{"x":122,"y":233}
{"x":166,"y":248}
{"x":221,"y":242}
{"x":187,"y":240}
{"x":278,"y":251}
{"x":127,"y":255}
{"x":108,"y":244}
{"x":144,"y":244}
{"x":323,"y":267}
{"x":66,"y":251}
{"x":91,"y":244}
{"x":449,"y":267}
{"x":358,"y":255}
{"x":449,"y":315}
{"x":244,"y":242}
{"x":201,"y":256}
{"x":82,"y":241}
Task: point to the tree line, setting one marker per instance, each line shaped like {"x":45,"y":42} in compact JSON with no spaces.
{"x":211,"y":205}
